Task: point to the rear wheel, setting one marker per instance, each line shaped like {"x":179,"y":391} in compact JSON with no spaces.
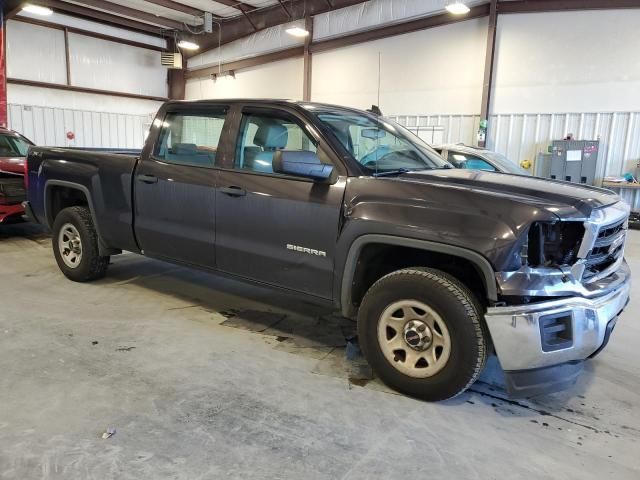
{"x":422,"y":333}
{"x":75,"y":245}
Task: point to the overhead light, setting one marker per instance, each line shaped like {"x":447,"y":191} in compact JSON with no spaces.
{"x":297,"y":31}
{"x":37,"y":9}
{"x":458,"y":8}
{"x":186,"y":45}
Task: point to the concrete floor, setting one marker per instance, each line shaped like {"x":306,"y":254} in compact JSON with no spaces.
{"x":205,"y":378}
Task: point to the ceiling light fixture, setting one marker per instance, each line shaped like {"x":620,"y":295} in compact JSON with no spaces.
{"x":458,"y":8}
{"x":37,"y":9}
{"x":297,"y":32}
{"x":186,"y":45}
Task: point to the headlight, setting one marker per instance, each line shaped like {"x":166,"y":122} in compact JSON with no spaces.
{"x":553,"y":244}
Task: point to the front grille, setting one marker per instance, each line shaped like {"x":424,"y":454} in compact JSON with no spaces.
{"x":607,"y":249}
{"x":12,"y":190}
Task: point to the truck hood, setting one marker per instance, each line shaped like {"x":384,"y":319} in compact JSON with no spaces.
{"x":12,"y":165}
{"x":561,"y":198}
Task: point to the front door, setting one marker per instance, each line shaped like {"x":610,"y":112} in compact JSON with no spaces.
{"x":273,"y":228}
{"x":174,"y":188}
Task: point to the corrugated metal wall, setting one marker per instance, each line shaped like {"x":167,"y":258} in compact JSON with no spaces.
{"x":49,"y":127}
{"x":523,"y":136}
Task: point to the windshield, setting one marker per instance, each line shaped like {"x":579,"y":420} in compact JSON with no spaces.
{"x":12,"y":146}
{"x":378,"y":144}
{"x":504,"y":163}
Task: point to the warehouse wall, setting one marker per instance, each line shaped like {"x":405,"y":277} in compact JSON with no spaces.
{"x":568,"y":62}
{"x":442,"y":73}
{"x":46,"y":115}
{"x":281,"y":79}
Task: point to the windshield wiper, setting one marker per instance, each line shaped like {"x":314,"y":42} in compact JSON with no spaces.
{"x":400,"y":171}
{"x":390,"y":173}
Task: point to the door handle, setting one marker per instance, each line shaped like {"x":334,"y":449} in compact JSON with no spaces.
{"x":147,"y":179}
{"x":233,"y":191}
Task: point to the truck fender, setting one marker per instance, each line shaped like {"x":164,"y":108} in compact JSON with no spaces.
{"x":481,"y":263}
{"x":104,"y":250}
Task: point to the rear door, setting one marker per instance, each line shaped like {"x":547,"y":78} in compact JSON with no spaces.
{"x":274,"y":228}
{"x":174,"y":186}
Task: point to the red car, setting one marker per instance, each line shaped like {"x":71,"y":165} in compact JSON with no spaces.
{"x":13,"y":150}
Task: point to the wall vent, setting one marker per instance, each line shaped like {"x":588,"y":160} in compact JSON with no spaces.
{"x":171,"y":60}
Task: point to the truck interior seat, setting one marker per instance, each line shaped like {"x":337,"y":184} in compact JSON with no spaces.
{"x":189,"y":153}
{"x":269,"y":137}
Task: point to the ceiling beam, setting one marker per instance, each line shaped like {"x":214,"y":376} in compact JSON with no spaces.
{"x":147,"y":17}
{"x":272,"y":16}
{"x":12,"y":8}
{"x":535,"y":6}
{"x":79,"y":11}
{"x":243,"y":7}
{"x":178,"y":7}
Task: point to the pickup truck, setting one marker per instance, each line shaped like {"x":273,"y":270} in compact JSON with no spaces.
{"x":441,"y":267}
{"x":13,"y":150}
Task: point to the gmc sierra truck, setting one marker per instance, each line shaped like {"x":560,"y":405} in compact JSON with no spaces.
{"x":441,"y":267}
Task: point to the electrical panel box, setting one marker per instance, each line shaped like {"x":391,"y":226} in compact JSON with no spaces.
{"x":574,"y":161}
{"x":208,"y":22}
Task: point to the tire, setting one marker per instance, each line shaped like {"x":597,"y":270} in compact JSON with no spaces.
{"x":75,"y":224}
{"x":449,"y":354}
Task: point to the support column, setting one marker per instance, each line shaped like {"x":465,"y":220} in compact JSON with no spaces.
{"x":306,"y":89}
{"x":487,"y":86}
{"x":4,"y":117}
{"x":176,"y":79}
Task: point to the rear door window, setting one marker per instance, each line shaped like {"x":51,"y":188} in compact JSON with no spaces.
{"x":190,"y":138}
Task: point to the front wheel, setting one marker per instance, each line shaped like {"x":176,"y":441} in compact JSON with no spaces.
{"x":75,"y":245}
{"x":421,"y":331}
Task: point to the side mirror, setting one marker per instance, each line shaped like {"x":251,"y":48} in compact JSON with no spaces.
{"x":299,"y":163}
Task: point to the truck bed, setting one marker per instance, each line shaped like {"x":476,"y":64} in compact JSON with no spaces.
{"x":104,"y":177}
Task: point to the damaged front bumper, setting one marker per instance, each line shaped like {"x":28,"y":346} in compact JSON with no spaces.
{"x":541,"y":346}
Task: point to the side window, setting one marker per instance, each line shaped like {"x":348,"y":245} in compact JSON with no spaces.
{"x":263,"y":135}
{"x":469,"y":162}
{"x":190,"y":138}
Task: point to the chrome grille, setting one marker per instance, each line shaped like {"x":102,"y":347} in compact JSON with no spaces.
{"x":607,"y":250}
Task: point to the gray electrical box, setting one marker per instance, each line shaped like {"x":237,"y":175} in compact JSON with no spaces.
{"x":574,"y":161}
{"x":208,"y":22}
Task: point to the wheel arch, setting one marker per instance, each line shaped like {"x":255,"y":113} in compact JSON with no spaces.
{"x":51,"y":209}
{"x":481,"y":265}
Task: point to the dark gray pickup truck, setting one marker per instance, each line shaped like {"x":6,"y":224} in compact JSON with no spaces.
{"x":441,"y":267}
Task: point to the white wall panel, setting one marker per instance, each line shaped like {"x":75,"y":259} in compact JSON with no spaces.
{"x":49,"y":126}
{"x":61,"y":19}
{"x":281,"y":79}
{"x":105,"y":65}
{"x":35,"y":53}
{"x":435,"y":70}
{"x":45,"y":97}
{"x":568,"y":62}
{"x":259,"y":43}
{"x":374,"y":13}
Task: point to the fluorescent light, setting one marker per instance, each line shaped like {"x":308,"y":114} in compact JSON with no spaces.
{"x":458,"y":8}
{"x":37,"y":9}
{"x":186,"y":45}
{"x":297,"y":31}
